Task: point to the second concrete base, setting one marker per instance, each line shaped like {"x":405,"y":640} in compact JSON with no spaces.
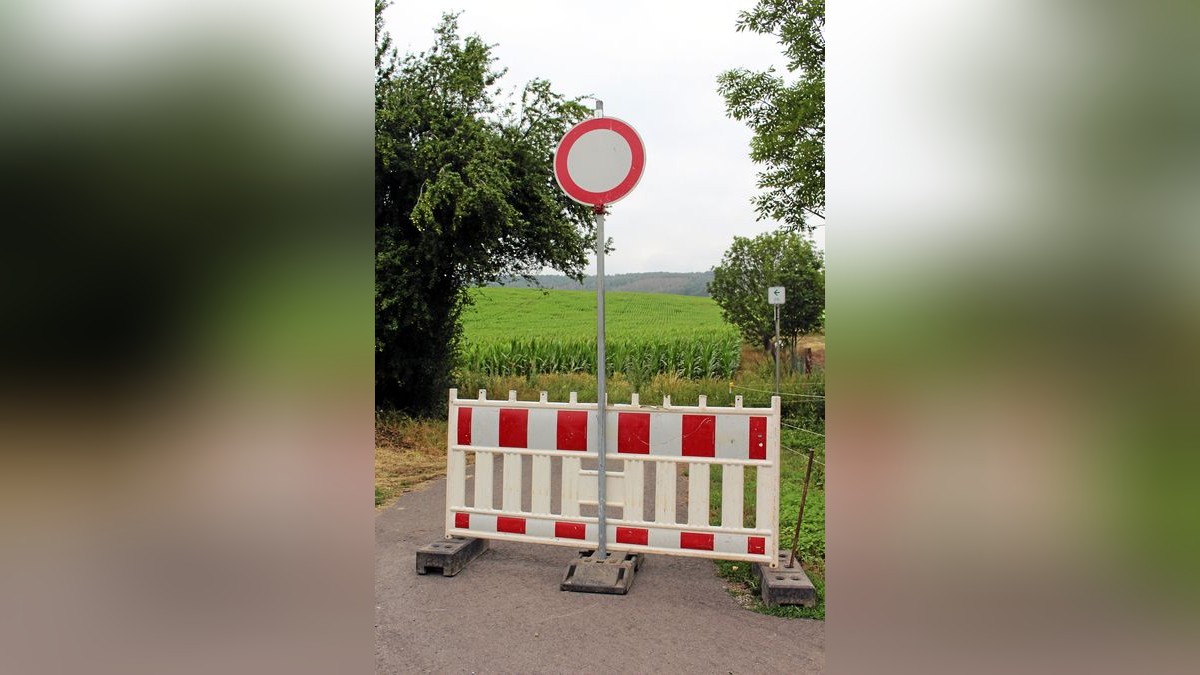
{"x":449,"y":555}
{"x":613,"y":575}
{"x":786,"y":586}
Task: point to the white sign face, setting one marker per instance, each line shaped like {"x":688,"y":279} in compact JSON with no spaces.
{"x":775,"y":295}
{"x":599,"y":161}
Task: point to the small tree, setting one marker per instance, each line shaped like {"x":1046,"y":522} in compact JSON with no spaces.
{"x":782,"y":258}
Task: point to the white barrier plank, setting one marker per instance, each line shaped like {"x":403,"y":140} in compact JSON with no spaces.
{"x":540,"y":487}
{"x":764,"y":503}
{"x":698,"y":475}
{"x":635,"y":490}
{"x":664,"y":492}
{"x":456,"y":478}
{"x":732,"y":495}
{"x":570,"y":486}
{"x":589,"y":481}
{"x":511,"y":499}
{"x":483,"y":480}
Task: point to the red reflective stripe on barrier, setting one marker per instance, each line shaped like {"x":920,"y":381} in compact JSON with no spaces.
{"x":572,"y":430}
{"x":633,"y":535}
{"x":570,"y":530}
{"x":633,"y":433}
{"x":514,"y":428}
{"x":464,"y":426}
{"x":512,"y":525}
{"x":756,"y":545}
{"x":758,"y":439}
{"x":462,"y":521}
{"x":696,"y":540}
{"x":699,"y":436}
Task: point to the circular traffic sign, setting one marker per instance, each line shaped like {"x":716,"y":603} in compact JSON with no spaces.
{"x":599,"y":161}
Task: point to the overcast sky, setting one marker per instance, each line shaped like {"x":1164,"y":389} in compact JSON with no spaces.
{"x":654,"y":64}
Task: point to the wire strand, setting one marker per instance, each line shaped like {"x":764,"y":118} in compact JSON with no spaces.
{"x":782,"y":393}
{"x":792,"y":426}
{"x":799,"y":452}
{"x":803,"y":453}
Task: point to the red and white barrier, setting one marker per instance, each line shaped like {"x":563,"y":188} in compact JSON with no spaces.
{"x":665,"y":438}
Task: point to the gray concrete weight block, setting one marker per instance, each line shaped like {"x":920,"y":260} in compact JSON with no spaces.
{"x":786,"y":586}
{"x":449,"y":555}
{"x":613,"y":575}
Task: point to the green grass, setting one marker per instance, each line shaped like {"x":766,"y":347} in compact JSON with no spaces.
{"x":502,"y":314}
{"x":382,"y":495}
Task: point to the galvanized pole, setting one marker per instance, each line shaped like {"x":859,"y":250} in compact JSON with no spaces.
{"x":601,"y":375}
{"x":776,"y":350}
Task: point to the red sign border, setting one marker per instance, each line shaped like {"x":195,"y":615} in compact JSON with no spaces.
{"x":636,"y":166}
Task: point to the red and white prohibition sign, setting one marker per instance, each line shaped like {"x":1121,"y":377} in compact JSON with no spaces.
{"x":599,"y":161}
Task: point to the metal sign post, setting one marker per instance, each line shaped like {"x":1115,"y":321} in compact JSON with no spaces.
{"x":599,"y":161}
{"x":776,"y":350}
{"x":776,"y":296}
{"x":601,"y":377}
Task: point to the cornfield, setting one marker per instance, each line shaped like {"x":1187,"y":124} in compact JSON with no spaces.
{"x":715,"y":355}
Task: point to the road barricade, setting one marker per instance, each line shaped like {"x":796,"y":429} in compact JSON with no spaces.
{"x":538,"y":454}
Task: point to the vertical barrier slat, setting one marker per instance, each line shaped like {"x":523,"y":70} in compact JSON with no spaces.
{"x":698,"y":494}
{"x":732,"y":495}
{"x":540,"y":488}
{"x":635,"y":488}
{"x":456,"y":465}
{"x":776,"y":460}
{"x":456,"y":478}
{"x":483,"y":480}
{"x":664,"y":492}
{"x":511,"y":500}
{"x":763,"y":498}
{"x":766,"y":515}
{"x":570,"y":486}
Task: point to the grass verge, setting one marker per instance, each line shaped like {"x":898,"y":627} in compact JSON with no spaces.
{"x":743,"y":585}
{"x":408,"y":453}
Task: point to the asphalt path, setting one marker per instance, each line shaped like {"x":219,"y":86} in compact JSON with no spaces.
{"x":505,"y":613}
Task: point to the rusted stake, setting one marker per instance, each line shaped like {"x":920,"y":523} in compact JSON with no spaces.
{"x":800,"y":517}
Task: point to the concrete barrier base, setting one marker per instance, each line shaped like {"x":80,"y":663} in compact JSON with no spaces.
{"x":786,"y":585}
{"x":613,"y":575}
{"x":449,"y":555}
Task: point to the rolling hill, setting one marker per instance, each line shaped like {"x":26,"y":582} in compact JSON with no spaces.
{"x":672,"y":283}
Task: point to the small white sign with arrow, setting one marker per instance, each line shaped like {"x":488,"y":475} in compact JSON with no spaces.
{"x":775,"y":295}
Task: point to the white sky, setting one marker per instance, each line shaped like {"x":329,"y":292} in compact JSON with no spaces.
{"x":654,"y":64}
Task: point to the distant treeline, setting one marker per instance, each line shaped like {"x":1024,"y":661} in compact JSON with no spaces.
{"x":675,"y":283}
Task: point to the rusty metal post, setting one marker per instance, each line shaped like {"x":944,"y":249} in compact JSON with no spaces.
{"x":800,"y":517}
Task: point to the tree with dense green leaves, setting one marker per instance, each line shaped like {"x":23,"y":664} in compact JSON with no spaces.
{"x":464,"y":195}
{"x":781,"y":258}
{"x":788,"y":119}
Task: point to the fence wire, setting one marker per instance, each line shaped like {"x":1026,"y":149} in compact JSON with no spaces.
{"x":768,"y":391}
